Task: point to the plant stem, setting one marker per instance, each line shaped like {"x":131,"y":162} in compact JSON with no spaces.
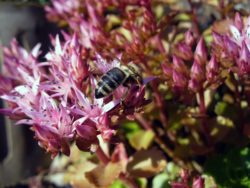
{"x":102,"y":156}
{"x":203,"y":112}
{"x":202,"y":103}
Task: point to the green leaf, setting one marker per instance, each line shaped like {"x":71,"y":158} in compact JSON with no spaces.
{"x":209,"y":181}
{"x":173,"y":171}
{"x":130,"y":127}
{"x":228,"y":110}
{"x":142,"y":182}
{"x":117,"y":184}
{"x":231,"y":169}
{"x":161,"y":181}
{"x":141,"y":139}
{"x":220,"y":108}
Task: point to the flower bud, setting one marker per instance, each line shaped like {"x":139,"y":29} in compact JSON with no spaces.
{"x":184,"y":51}
{"x":87,"y":131}
{"x":231,"y":47}
{"x":168,"y":71}
{"x":238,"y":22}
{"x":179,"y":79}
{"x":180,"y":73}
{"x":212,"y":69}
{"x":200,"y":53}
{"x":189,"y":38}
{"x":197,"y":76}
{"x":179,"y":65}
{"x":218,"y":39}
{"x":198,"y":183}
{"x":86,"y":135}
{"x":244,"y":60}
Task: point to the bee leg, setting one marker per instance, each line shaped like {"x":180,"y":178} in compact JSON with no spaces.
{"x":122,"y":101}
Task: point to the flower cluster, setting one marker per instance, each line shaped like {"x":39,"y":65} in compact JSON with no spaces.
{"x":191,"y":69}
{"x":104,"y":31}
{"x":232,"y":48}
{"x":56,"y":97}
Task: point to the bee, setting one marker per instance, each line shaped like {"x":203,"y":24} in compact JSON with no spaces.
{"x":120,"y":75}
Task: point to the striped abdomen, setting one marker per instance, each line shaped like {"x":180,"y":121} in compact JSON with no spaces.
{"x":109,"y":82}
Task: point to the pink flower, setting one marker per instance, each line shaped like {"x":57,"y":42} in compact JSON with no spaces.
{"x":20,"y":66}
{"x":180,"y":73}
{"x":93,"y":119}
{"x":235,"y":45}
{"x":197,"y":75}
{"x":60,"y":106}
{"x":66,"y":67}
{"x":212,"y":69}
{"x":62,"y":9}
{"x":200,"y":54}
{"x":189,"y":38}
{"x":198,"y":182}
{"x":49,"y":139}
{"x":184,"y":51}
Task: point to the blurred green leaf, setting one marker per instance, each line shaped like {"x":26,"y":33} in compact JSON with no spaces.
{"x":171,"y":173}
{"x":220,"y":108}
{"x":141,"y":139}
{"x":130,"y":127}
{"x":209,"y":181}
{"x":231,"y":169}
{"x":225,"y":109}
{"x":117,"y":184}
{"x":142,"y":182}
{"x":172,"y":170}
{"x":161,"y":181}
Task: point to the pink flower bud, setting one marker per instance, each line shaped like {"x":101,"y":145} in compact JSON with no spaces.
{"x":218,"y":39}
{"x":180,"y":73}
{"x":74,"y":43}
{"x":179,"y":65}
{"x":189,"y":38}
{"x":198,"y":183}
{"x":197,"y":76}
{"x":212,"y":69}
{"x":168,"y":71}
{"x":231,"y":47}
{"x":194,"y":85}
{"x":179,"y":79}
{"x":87,"y":130}
{"x":197,"y":71}
{"x":86,"y":135}
{"x":238,"y":22}
{"x":184,"y":51}
{"x":79,"y":68}
{"x":179,"y":185}
{"x":50,"y":140}
{"x":200,"y":53}
{"x":244,"y":60}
